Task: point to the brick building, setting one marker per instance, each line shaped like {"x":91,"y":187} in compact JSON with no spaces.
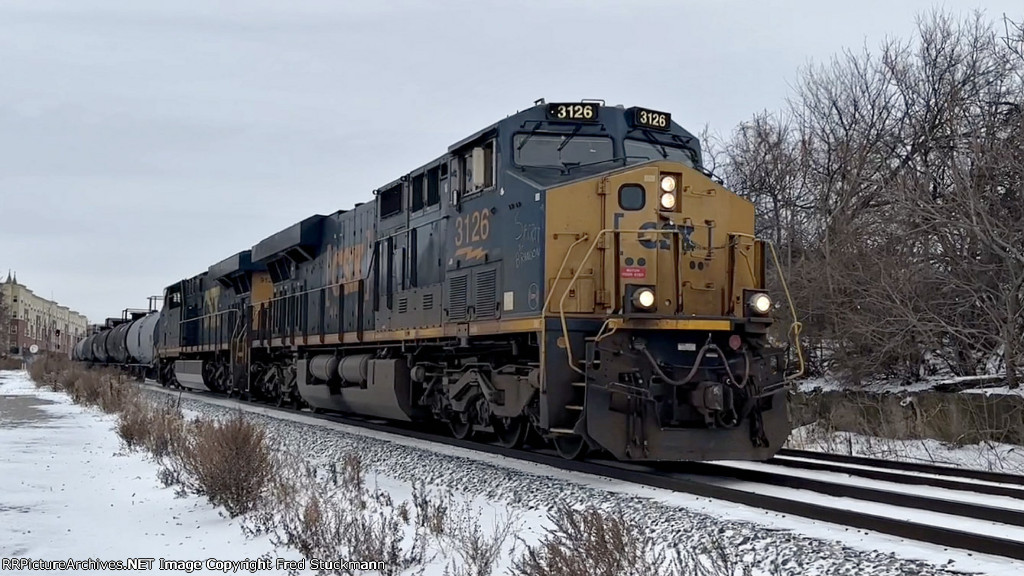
{"x":28,"y":319}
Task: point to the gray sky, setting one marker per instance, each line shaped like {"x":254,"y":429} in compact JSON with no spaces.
{"x":141,"y":142}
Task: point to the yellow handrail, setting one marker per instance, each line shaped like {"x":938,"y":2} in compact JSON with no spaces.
{"x":796,"y":327}
{"x":572,"y":282}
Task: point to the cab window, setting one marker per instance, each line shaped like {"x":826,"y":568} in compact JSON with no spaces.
{"x":551,"y":151}
{"x":638,"y":150}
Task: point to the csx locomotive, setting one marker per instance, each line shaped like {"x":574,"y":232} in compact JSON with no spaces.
{"x":569,"y":274}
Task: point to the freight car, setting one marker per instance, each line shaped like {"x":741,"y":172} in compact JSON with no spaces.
{"x":570,"y":273}
{"x":126,"y":342}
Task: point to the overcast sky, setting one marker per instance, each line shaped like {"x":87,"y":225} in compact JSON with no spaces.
{"x":142,"y":141}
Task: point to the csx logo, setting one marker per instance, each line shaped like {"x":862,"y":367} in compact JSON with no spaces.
{"x":663,"y":241}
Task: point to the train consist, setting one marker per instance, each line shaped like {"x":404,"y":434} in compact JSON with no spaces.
{"x":570,"y":274}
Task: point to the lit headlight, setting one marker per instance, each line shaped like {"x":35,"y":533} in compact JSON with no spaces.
{"x":644,"y":298}
{"x":668,"y":184}
{"x":760,"y":303}
{"x":668,"y":200}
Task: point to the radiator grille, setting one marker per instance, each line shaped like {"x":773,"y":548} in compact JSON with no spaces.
{"x":428,"y":301}
{"x":403,"y":304}
{"x":458,"y":288}
{"x":486,"y":293}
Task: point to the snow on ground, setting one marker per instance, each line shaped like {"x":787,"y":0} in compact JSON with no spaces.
{"x":68,"y":491}
{"x":986,"y":384}
{"x":990,"y":456}
{"x":762,"y":538}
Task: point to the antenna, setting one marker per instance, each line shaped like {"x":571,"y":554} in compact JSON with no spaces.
{"x":601,"y":100}
{"x":539,"y":101}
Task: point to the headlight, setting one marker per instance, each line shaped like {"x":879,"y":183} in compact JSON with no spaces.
{"x":760,"y":303}
{"x":644,"y":298}
{"x":668,"y":200}
{"x":668,"y":184}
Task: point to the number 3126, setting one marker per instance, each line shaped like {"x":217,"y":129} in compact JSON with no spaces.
{"x":472,"y":227}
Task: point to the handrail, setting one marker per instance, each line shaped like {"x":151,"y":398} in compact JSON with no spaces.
{"x":211,"y":315}
{"x":575,"y":277}
{"x":796,"y":327}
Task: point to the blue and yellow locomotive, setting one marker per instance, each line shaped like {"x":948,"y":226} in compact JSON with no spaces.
{"x":570,"y":273}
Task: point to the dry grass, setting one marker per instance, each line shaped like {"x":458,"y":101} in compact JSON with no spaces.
{"x":157,"y":428}
{"x":593,"y":543}
{"x":229,"y":461}
{"x":10,"y":364}
{"x":335,"y":514}
{"x":46,"y":368}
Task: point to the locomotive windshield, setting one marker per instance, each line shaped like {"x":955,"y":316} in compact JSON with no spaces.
{"x":636,"y":150}
{"x":539,"y":150}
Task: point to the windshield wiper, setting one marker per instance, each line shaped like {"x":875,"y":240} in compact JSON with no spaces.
{"x":654,"y":142}
{"x":569,"y":137}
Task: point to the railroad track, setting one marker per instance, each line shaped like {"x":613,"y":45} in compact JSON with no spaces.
{"x":794,"y":483}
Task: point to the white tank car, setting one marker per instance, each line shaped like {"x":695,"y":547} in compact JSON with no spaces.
{"x":140,"y":338}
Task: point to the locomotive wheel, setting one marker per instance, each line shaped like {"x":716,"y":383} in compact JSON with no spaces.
{"x":460,"y":429}
{"x":570,"y":447}
{"x":512,"y":432}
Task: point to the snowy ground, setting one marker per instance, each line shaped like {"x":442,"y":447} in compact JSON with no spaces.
{"x":990,"y":456}
{"x":67,"y":490}
{"x":989,"y":385}
{"x":765,"y":540}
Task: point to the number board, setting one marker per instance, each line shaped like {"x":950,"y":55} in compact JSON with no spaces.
{"x":574,"y":112}
{"x":645,"y":118}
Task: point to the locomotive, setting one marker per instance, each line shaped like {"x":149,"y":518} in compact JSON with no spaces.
{"x":570,"y":274}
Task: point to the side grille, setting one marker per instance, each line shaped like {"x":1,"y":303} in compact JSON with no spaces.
{"x":403,"y":304}
{"x":458,"y":288}
{"x":486,"y":294}
{"x":428,"y":301}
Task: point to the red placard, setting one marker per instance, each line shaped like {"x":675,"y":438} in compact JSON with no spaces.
{"x":634,"y":272}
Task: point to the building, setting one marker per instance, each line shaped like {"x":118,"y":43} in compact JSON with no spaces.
{"x":28,"y":319}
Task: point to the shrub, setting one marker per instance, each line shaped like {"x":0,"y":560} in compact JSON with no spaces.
{"x":593,"y":543}
{"x":228,"y":461}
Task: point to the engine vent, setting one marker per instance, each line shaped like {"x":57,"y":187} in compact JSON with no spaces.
{"x":486,"y":294}
{"x":403,"y":304}
{"x":458,"y":288}
{"x":428,"y":301}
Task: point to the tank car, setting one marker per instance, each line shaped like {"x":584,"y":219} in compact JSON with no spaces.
{"x":570,"y":274}
{"x":126,"y":342}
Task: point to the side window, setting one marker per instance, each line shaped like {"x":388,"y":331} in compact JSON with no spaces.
{"x":632,"y":197}
{"x":467,"y":172}
{"x":417,"y":198}
{"x":391,"y":201}
{"x":433,"y":182}
{"x":478,"y":168}
{"x":455,"y":182}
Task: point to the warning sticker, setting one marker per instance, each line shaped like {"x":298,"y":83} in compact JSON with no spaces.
{"x":634,"y":272}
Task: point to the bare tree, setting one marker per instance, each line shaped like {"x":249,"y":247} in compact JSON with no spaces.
{"x":894,"y":186}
